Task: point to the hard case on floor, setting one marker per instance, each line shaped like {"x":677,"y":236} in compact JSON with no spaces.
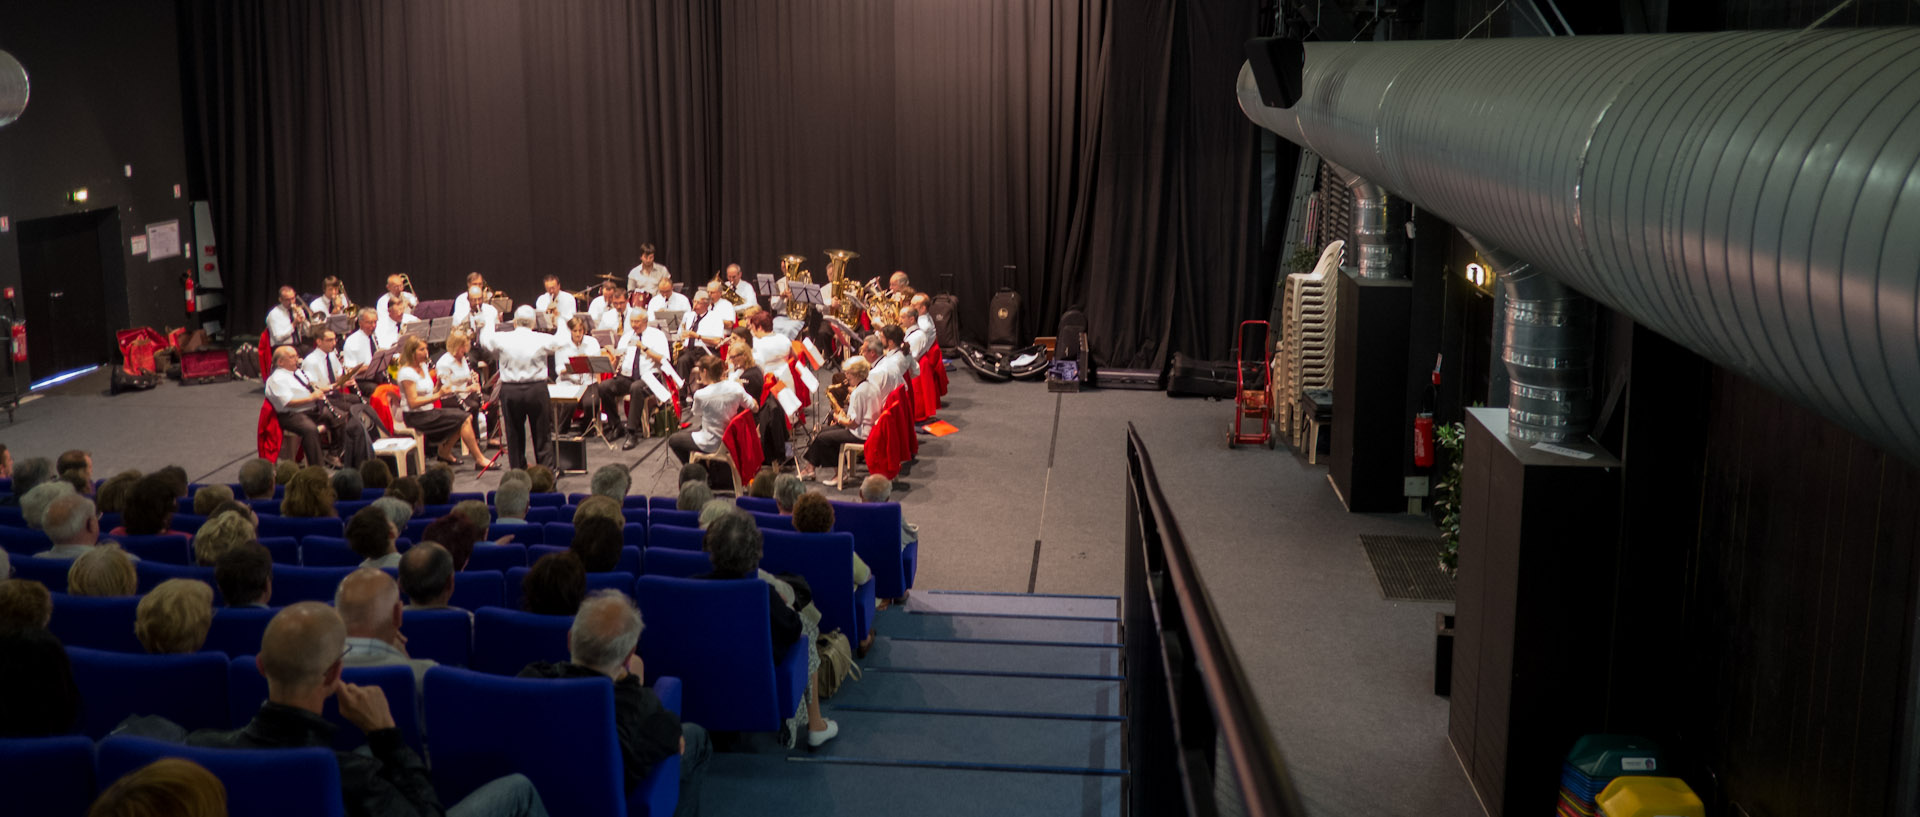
{"x":206,"y":366}
{"x":1189,"y":377}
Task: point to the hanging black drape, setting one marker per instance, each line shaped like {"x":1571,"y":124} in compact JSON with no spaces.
{"x":1093,"y":145}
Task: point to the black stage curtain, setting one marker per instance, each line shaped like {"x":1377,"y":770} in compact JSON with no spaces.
{"x":1094,"y":145}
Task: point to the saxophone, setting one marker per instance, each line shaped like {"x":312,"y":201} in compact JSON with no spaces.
{"x":845,"y":291}
{"x":790,"y":267}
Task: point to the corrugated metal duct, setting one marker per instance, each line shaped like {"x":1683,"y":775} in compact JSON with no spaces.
{"x":1754,"y":196}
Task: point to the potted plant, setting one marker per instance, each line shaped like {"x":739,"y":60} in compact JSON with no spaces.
{"x":1452,"y":442}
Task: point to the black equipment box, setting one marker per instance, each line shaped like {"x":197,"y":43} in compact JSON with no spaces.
{"x":569,"y":454}
{"x":1107,"y":377}
{"x":1202,"y":378}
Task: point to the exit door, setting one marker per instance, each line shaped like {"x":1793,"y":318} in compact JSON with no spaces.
{"x":64,"y":263}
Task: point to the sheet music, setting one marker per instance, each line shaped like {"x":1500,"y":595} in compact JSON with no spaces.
{"x":766,"y":283}
{"x":806,"y":293}
{"x":438,"y":329}
{"x":341,"y":325}
{"x":566,"y":392}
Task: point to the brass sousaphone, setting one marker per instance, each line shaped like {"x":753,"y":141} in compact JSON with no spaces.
{"x":790,"y":268}
{"x":844,"y":291}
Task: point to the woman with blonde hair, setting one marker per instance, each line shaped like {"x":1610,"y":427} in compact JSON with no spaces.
{"x":850,"y":426}
{"x":454,"y":374}
{"x":224,"y":532}
{"x":168,"y":787}
{"x":309,"y":494}
{"x":173,"y":617}
{"x":442,"y":427}
{"x":104,"y":570}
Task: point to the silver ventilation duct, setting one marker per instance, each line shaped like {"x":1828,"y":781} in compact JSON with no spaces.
{"x":1547,"y":343}
{"x":1753,"y":195}
{"x":1373,"y":251}
{"x":13,"y":89}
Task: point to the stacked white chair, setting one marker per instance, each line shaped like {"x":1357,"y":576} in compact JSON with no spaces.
{"x":1307,"y":340}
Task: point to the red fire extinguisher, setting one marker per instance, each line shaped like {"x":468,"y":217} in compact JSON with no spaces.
{"x":188,"y":280}
{"x":1423,"y":422}
{"x":19,"y":338}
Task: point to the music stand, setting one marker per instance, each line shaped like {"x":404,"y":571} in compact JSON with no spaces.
{"x":438,"y":329}
{"x":766,"y":284}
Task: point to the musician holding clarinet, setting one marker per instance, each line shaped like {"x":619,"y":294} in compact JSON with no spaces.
{"x":303,"y":409}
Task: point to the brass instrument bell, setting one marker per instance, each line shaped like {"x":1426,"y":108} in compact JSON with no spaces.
{"x":844,"y":291}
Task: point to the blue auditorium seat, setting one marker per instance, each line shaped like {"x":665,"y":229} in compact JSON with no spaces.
{"x":291,"y":584}
{"x":284,"y":549}
{"x":669,"y":516}
{"x":662,"y":503}
{"x":328,"y":551}
{"x":876,"y":537}
{"x":541,"y":500}
{"x":771,"y":521}
{"x":432,"y":512}
{"x":506,"y":640}
{"x":264,"y":508}
{"x":50,"y":572}
{"x":523,"y":534}
{"x":190,"y":689}
{"x":99,"y":622}
{"x":622,"y":582}
{"x":677,"y":537}
{"x":47,"y":777}
{"x":238,"y":630}
{"x":458,"y":497}
{"x":713,"y":635}
{"x":557,"y":732}
{"x":629,"y":557}
{"x":301,"y":527}
{"x":445,"y":636}
{"x":541,"y":516}
{"x":173,"y":550}
{"x":474,"y":589}
{"x":18,"y":538}
{"x":826,"y":560}
{"x":679,"y":564}
{"x":497,"y":557}
{"x":557,"y":534}
{"x":247,"y":690}
{"x":628,"y":502}
{"x":184,"y":522}
{"x":758,"y":504}
{"x":417,"y":527}
{"x":184,"y":504}
{"x":10,"y":516}
{"x":260,"y":782}
{"x":348,"y":507}
{"x":150,"y":574}
{"x":634,"y":534}
{"x":109,"y":521}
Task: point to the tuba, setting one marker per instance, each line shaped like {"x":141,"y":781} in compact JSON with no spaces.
{"x":845,"y":291}
{"x":790,"y":267}
{"x":882,"y":309}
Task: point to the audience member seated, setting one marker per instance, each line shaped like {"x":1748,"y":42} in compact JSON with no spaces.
{"x":369,"y":602}
{"x":347,"y":485}
{"x":876,"y":489}
{"x":36,"y":682}
{"x":283,"y":472}
{"x":375,"y":475}
{"x":694,"y":496}
{"x":174,"y":616}
{"x":149,"y":508}
{"x":427,"y":575}
{"x":256,"y":478}
{"x":436,"y":485}
{"x":210,"y":497}
{"x":693,"y":472}
{"x":398,"y":511}
{"x":33,"y":505}
{"x":244,"y":574}
{"x":24,"y":603}
{"x":598,"y":505}
{"x":29,"y":474}
{"x":74,"y":459}
{"x":541,"y":479}
{"x":104,"y":570}
{"x":301,"y":657}
{"x":510,"y":501}
{"x":611,"y":481}
{"x":112,"y":494}
{"x":220,"y":534}
{"x":714,"y":509}
{"x":555,"y":585}
{"x":812,"y":513}
{"x":6,"y":462}
{"x":73,"y":527}
{"x":597,"y":541}
{"x":601,"y":642}
{"x":309,"y":494}
{"x":240,"y":508}
{"x":372,"y":537}
{"x":734,"y":544}
{"x":787,"y":489}
{"x":175,"y":478}
{"x":77,"y":480}
{"x":455,"y":534}
{"x":479,"y":516}
{"x":762,"y":484}
{"x":168,"y":787}
{"x":406,"y":489}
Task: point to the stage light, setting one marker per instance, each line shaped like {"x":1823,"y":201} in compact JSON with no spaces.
{"x":78,"y":196}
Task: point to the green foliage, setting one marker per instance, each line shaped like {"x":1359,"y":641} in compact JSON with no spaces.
{"x":1452,"y":442}
{"x":1303,"y":259}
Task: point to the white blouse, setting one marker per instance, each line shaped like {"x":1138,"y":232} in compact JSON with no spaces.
{"x":422,"y":386}
{"x":453,"y":371}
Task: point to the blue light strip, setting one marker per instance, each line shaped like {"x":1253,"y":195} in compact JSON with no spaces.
{"x":63,"y":377}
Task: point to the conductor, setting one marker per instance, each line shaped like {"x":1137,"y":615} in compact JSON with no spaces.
{"x":523,"y":357}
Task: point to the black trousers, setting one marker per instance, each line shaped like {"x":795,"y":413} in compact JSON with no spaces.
{"x":353,"y":405}
{"x":682,"y":445}
{"x":527,"y":403}
{"x":350,"y":438}
{"x":684,"y":363}
{"x":825,"y":449}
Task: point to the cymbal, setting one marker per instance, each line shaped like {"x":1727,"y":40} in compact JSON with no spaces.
{"x":608,"y":276}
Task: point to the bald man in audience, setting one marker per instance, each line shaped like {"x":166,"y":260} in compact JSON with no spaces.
{"x":300,"y":655}
{"x":427,"y":574}
{"x":369,"y":602}
{"x":73,"y":526}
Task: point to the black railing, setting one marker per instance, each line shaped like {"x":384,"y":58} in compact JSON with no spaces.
{"x":1196,"y":742}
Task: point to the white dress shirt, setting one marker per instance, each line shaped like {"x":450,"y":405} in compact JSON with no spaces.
{"x":713,"y":407}
{"x":926,"y":325}
{"x":413,"y":302}
{"x":770,"y":352}
{"x":917,"y":342}
{"x":614,"y":320}
{"x":564,"y":310}
{"x":676,"y":301}
{"x":724,"y":308}
{"x":745,"y":291}
{"x":642,"y":367}
{"x":357,"y":349}
{"x":908,"y":365}
{"x":887,"y":375}
{"x":387,"y":333}
{"x":523,"y":352}
{"x":285,"y":386}
{"x":711,"y":325}
{"x":452,"y":371}
{"x":462,"y":311}
{"x":863,"y":407}
{"x":640,"y":279}
{"x":315,"y":367}
{"x":318,"y":306}
{"x":567,"y":351}
{"x":281,"y":330}
{"x":597,"y":306}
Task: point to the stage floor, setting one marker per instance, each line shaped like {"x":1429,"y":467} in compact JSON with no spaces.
{"x":1028,"y":497}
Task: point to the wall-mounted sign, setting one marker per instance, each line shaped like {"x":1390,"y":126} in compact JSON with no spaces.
{"x":163,"y":240}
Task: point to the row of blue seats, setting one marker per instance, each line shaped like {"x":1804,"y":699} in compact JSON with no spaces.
{"x":559,"y":733}
{"x":107,"y":622}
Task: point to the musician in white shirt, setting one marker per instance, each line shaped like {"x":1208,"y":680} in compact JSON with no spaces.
{"x":333,"y":298}
{"x":646,"y":275}
{"x":713,"y":405}
{"x":523,"y":355}
{"x":359,"y":347}
{"x":440,"y":426}
{"x":286,"y":320}
{"x":850,"y":426}
{"x":918,"y":338}
{"x":299,"y":406}
{"x":924,"y":308}
{"x":580,"y":343}
{"x":618,"y":314}
{"x":555,"y":303}
{"x":454,"y":374}
{"x":717,"y":301}
{"x":641,"y":374}
{"x":397,"y":319}
{"x":396,"y":288}
{"x":473,"y":309}
{"x":327,"y":370}
{"x":666,"y":300}
{"x":896,"y":344}
{"x":885,"y":377}
{"x":703,"y":333}
{"x":740,"y":287}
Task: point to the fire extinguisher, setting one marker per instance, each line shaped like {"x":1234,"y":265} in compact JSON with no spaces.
{"x":187,"y":278}
{"x":18,"y":336}
{"x":1423,"y":422}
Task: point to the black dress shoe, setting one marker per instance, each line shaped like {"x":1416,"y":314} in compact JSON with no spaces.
{"x":630,"y":443}
{"x":615,"y":432}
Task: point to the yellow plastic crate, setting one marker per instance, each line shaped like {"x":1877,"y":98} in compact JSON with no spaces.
{"x":1637,"y":796}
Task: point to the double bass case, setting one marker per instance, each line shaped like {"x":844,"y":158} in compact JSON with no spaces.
{"x":1189,"y":377}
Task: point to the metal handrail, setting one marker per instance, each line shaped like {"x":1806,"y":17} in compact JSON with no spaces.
{"x":1188,"y":699}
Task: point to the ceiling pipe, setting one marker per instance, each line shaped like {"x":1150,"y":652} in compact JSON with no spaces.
{"x":1752,"y":195}
{"x":1375,"y":253}
{"x":1546,"y":335}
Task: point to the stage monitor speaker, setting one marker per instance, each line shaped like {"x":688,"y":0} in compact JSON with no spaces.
{"x":1277,"y":65}
{"x":570,"y":454}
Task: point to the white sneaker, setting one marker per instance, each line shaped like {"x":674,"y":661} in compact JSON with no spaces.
{"x":815,"y":738}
